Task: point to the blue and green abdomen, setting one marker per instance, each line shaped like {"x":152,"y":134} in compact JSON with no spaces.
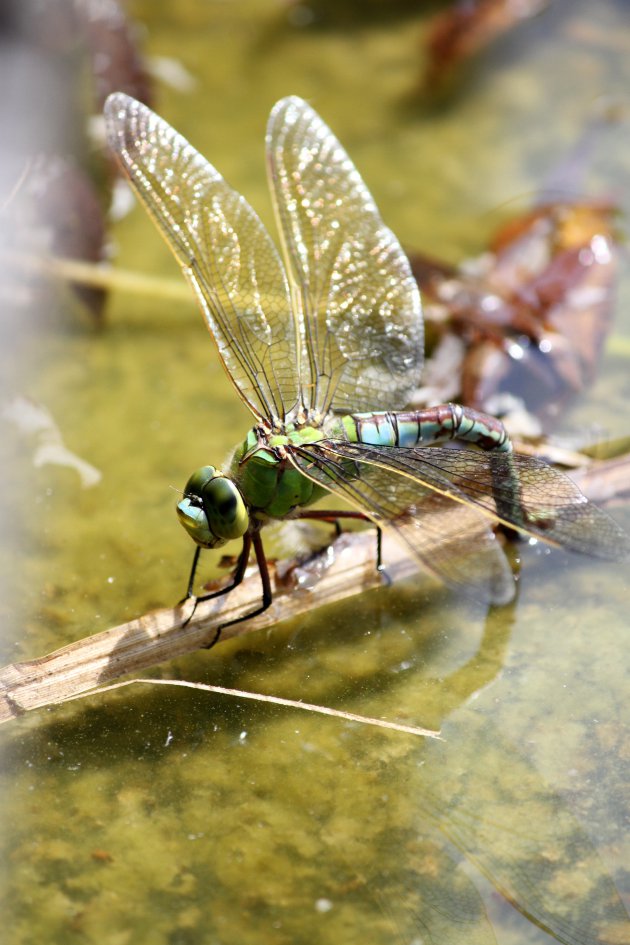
{"x":409,"y":429}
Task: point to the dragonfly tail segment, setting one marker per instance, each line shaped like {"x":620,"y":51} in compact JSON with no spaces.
{"x":421,"y":427}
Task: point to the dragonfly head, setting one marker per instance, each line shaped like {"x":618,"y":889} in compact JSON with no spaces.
{"x":212,"y":510}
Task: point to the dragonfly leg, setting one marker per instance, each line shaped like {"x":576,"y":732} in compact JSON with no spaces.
{"x":237,"y":574}
{"x":191,"y":579}
{"x":267,"y":595}
{"x":333,"y":517}
{"x":379,"y":550}
{"x":237,"y":577}
{"x":189,"y":589}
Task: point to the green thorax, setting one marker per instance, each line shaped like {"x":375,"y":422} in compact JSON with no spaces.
{"x":270,"y":485}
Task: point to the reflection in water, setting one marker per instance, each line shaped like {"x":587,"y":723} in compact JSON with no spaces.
{"x":489,"y":803}
{"x":433,"y":901}
{"x":474,"y":799}
{"x":232,"y":823}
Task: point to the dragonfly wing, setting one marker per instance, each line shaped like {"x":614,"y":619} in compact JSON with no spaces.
{"x":224,"y":250}
{"x":451,"y":540}
{"x":351,"y":280}
{"x":520,"y":491}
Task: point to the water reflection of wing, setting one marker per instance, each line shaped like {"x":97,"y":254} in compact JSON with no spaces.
{"x":429,"y":898}
{"x":493,"y":805}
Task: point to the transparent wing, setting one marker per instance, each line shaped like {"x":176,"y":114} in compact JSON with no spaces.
{"x":451,"y":540}
{"x":520,"y":491}
{"x":350,"y":278}
{"x":223,"y":249}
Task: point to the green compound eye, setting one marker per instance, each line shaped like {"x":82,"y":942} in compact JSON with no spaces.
{"x":199,"y":480}
{"x":224,"y":506}
{"x":212,"y":510}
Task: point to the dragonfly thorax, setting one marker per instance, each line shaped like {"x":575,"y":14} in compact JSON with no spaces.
{"x":212,"y":510}
{"x":271,"y":485}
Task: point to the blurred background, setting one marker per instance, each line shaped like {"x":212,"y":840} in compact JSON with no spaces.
{"x":495,"y":139}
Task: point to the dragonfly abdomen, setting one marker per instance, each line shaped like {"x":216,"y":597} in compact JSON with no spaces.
{"x":420,"y":427}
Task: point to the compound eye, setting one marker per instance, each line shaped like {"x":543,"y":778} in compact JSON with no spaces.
{"x":212,"y":510}
{"x":192,"y":512}
{"x":224,"y":498}
{"x":199,"y":480}
{"x":225,"y":509}
{"x":192,"y":516}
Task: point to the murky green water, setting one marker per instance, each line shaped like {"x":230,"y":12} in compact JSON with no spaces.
{"x":174,"y":817}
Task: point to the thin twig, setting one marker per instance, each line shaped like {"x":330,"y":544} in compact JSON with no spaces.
{"x":274,"y":700}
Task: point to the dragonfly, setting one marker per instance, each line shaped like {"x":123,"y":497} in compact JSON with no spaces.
{"x":324,"y":344}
